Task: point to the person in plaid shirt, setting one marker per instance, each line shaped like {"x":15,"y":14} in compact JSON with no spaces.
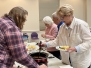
{"x":12,"y":46}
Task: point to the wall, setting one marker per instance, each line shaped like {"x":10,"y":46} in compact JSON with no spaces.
{"x":79,"y":7}
{"x":46,"y":8}
{"x":89,"y":12}
{"x":32,"y":6}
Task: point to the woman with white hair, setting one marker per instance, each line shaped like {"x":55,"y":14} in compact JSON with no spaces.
{"x":51,"y":28}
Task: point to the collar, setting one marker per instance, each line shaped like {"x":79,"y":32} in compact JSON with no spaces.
{"x":60,"y":23}
{"x":11,"y":19}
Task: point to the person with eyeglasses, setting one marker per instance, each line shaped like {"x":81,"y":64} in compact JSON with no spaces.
{"x":74,"y":33}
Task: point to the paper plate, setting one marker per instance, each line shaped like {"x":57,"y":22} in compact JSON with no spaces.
{"x":60,"y":48}
{"x":32,"y":46}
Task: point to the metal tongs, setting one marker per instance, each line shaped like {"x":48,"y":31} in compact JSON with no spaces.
{"x":40,"y":47}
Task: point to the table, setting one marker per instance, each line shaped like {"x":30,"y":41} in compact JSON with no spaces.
{"x":52,"y":62}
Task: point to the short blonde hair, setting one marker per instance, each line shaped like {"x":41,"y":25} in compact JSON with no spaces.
{"x":65,"y":10}
{"x":47,"y":20}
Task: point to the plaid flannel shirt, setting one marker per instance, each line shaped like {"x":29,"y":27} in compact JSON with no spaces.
{"x":12,"y":46}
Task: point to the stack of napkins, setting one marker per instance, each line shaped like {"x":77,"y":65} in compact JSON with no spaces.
{"x":65,"y":66}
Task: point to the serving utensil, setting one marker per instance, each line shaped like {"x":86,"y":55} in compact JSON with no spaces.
{"x":40,"y":47}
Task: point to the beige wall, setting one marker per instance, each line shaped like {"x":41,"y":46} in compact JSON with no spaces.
{"x":89,"y":12}
{"x":32,"y":6}
{"x":81,"y":7}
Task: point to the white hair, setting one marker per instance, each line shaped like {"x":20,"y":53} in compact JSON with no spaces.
{"x":55,"y":15}
{"x":47,"y":20}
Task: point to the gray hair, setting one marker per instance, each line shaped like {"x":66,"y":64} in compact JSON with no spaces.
{"x":55,"y":15}
{"x":47,"y":20}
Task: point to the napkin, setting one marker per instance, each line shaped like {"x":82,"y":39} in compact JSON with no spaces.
{"x":65,"y":66}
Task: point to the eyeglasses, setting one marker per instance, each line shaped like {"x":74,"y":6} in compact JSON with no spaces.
{"x":62,"y":17}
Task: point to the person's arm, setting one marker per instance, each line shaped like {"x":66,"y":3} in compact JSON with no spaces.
{"x":74,"y":49}
{"x":86,"y":38}
{"x":53,"y":43}
{"x":77,"y":49}
{"x":17,"y":49}
{"x":85,"y":35}
{"x":54,"y":32}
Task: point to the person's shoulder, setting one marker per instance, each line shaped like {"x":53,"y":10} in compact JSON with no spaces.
{"x":5,"y":23}
{"x":54,"y":25}
{"x":63,"y":24}
{"x":1,"y":20}
{"x":80,"y":22}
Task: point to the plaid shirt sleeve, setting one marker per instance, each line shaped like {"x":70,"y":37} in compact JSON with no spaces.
{"x":17,"y":48}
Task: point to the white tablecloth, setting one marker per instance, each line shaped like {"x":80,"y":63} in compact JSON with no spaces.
{"x":52,"y":62}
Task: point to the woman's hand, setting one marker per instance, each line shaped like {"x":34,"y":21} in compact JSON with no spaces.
{"x":43,"y":35}
{"x":43,"y":66}
{"x":72,"y":49}
{"x":43,"y":44}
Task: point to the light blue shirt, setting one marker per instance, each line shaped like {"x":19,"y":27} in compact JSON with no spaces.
{"x":77,"y":48}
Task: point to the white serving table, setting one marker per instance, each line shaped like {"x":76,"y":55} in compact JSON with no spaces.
{"x":52,"y":62}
